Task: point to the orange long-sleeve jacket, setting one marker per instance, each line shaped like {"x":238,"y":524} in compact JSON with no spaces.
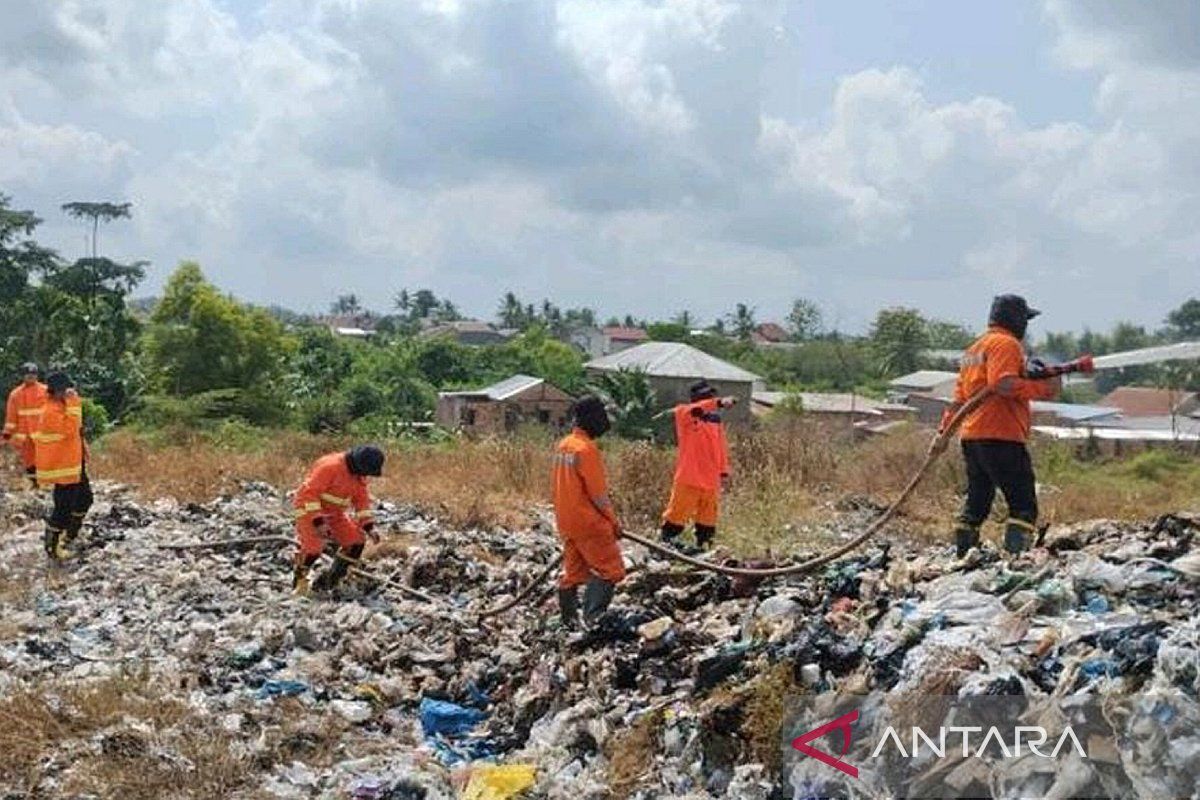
{"x":57,"y":436}
{"x":21,"y":412}
{"x":331,"y":486}
{"x":703,"y":457}
{"x":581,"y":502}
{"x":997,"y":361}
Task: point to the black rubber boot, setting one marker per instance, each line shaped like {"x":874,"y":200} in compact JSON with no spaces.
{"x":597,"y":596}
{"x":300,"y":572}
{"x":568,"y":607}
{"x":670,"y":533}
{"x":330,"y":578}
{"x":1018,"y":535}
{"x":52,"y":541}
{"x":705,"y":535}
{"x":966,"y":537}
{"x":73,"y":528}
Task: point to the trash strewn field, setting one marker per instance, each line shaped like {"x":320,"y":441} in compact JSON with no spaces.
{"x":137,"y":671}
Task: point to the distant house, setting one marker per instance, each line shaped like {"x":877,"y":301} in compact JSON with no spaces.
{"x":1141,"y":401}
{"x":770,"y":333}
{"x":354,"y":326}
{"x":503,"y":406}
{"x":588,"y":340}
{"x":931,"y":407}
{"x":927,"y":381}
{"x":672,"y":367}
{"x":620,"y":337}
{"x":468,"y":331}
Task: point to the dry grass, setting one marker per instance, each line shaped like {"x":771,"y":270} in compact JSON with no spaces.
{"x":787,"y":476}
{"x":119,"y":738}
{"x":631,"y":755}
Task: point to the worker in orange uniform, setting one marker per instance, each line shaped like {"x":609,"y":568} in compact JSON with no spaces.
{"x":701,"y":468}
{"x":60,"y":456}
{"x":333,"y":503}
{"x":587,"y":524}
{"x":24,"y":406}
{"x":994,"y":436}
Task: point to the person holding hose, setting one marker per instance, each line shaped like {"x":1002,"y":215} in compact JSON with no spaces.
{"x":587,"y":525}
{"x":701,"y":467}
{"x":993,"y":437}
{"x":333,"y":503}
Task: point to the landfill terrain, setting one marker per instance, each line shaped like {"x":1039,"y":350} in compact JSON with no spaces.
{"x":136,"y":670}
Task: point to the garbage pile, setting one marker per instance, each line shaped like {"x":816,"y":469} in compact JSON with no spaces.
{"x":683,"y":689}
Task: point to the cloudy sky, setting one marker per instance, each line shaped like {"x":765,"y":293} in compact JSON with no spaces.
{"x":632,"y":155}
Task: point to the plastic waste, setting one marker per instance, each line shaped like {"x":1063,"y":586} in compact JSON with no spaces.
{"x":500,"y":782}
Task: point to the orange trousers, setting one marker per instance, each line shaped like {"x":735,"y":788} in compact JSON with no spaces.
{"x":594,"y":553}
{"x":692,"y":504}
{"x":343,"y":530}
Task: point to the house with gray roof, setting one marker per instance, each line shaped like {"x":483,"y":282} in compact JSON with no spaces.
{"x":504,"y":406}
{"x":672,"y":367}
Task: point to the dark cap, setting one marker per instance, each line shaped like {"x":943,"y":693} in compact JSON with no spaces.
{"x":365,"y":459}
{"x":29,"y":368}
{"x":701,"y":390}
{"x":58,"y":382}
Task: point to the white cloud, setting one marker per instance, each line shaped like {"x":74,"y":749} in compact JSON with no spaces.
{"x":623,"y":154}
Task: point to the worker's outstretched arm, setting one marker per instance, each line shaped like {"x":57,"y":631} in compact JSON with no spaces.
{"x":10,"y":416}
{"x":1005,"y":376}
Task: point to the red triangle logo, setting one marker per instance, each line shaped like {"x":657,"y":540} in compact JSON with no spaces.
{"x":842,"y":723}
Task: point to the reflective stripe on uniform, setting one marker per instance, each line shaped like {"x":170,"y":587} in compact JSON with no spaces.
{"x":74,"y":411}
{"x":306,"y":509}
{"x":335,"y":500}
{"x":566,"y":459}
{"x":46,"y":438}
{"x":29,"y":412}
{"x":51,"y":474}
{"x":366,"y":513}
{"x":19,"y":437}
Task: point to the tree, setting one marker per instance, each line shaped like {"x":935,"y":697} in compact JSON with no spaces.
{"x":631,"y":402}
{"x":424,"y":303}
{"x":403,"y":302}
{"x":742,"y":321}
{"x":202,"y":341}
{"x":511,"y":313}
{"x":804,"y":320}
{"x":898,"y":337}
{"x":97,"y":212}
{"x":948,"y":335}
{"x":684,"y":319}
{"x":1183,"y":324}
{"x":345,"y":305}
{"x":24,"y":329}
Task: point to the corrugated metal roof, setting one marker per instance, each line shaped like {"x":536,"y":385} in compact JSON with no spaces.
{"x":1145,"y":401}
{"x":1076,"y":412}
{"x":823,"y":402}
{"x":924,"y":379}
{"x":1116,"y":434}
{"x":673,"y":360}
{"x":503,"y":390}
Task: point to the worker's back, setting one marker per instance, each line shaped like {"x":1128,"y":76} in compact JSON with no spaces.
{"x":579,"y":481}
{"x":993,"y":357}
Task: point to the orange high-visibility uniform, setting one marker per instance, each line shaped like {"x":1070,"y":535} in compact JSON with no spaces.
{"x":20,"y":417}
{"x":702,"y":462}
{"x":334,"y":494}
{"x":58,"y":441}
{"x":997,"y":361}
{"x":583,"y":511}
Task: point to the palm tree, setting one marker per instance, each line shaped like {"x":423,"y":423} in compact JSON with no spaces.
{"x":631,"y":402}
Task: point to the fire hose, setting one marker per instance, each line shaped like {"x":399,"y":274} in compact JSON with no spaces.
{"x":936,"y":448}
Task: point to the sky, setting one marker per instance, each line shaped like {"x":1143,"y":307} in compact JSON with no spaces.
{"x":634,"y":156}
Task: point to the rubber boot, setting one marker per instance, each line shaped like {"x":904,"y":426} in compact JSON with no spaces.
{"x":670,"y":534}
{"x":568,"y":608}
{"x":1018,"y":535}
{"x":301,"y":582}
{"x":54,"y":545}
{"x":329,"y":579}
{"x":597,"y":596}
{"x":966,"y":537}
{"x":705,"y":535}
{"x":73,"y":528}
{"x":31,"y":474}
